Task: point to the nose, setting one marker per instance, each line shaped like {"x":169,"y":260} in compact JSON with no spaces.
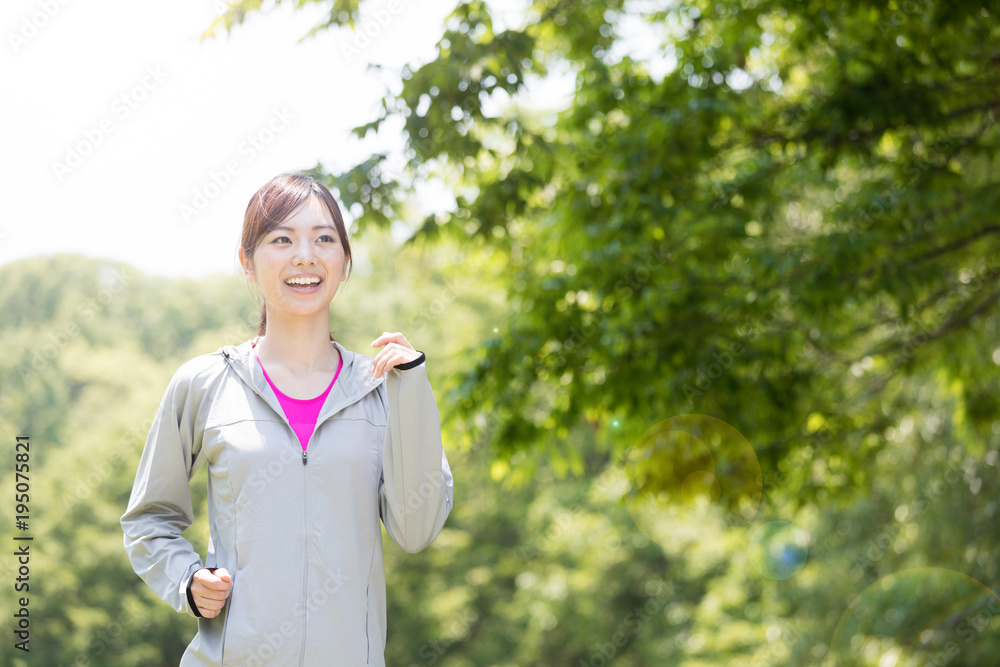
{"x":304,"y":254}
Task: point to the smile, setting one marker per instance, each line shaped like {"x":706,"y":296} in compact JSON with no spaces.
{"x":303,"y":282}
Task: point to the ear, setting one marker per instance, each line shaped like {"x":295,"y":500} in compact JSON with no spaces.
{"x":247,"y":265}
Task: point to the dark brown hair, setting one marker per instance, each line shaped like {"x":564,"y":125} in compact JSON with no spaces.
{"x":273,"y":203}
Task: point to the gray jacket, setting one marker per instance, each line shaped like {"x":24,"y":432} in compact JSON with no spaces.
{"x":300,"y":537}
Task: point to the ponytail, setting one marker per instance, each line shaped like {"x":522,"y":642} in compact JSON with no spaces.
{"x":262,"y":325}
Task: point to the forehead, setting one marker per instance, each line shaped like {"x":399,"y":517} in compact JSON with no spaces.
{"x":311,"y":214}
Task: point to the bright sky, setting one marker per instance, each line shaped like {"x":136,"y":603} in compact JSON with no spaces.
{"x":116,"y":118}
{"x":128,"y":139}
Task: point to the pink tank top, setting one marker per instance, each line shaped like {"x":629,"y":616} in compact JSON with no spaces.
{"x":302,"y":413}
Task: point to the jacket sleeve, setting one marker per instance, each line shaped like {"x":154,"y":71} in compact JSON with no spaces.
{"x":416,"y":490}
{"x":159,"y":509}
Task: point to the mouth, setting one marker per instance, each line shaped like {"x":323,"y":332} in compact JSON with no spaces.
{"x":304,"y":284}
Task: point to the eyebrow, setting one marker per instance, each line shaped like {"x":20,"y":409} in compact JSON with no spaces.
{"x":289,"y":229}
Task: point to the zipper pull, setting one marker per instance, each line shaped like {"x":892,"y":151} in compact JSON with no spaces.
{"x":303,"y":457}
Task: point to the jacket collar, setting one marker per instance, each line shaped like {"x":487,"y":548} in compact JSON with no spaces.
{"x":354,"y":382}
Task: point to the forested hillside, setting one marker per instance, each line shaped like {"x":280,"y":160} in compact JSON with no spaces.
{"x":714,"y":344}
{"x":550,"y":568}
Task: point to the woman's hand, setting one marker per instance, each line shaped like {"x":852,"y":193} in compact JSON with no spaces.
{"x":397,"y":351}
{"x":210,"y":590}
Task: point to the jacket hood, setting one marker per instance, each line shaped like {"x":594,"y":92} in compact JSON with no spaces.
{"x":354,"y":382}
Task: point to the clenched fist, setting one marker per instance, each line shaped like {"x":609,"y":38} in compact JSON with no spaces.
{"x":210,"y":588}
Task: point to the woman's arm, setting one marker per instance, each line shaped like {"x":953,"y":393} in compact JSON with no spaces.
{"x":416,"y":490}
{"x":159,"y":509}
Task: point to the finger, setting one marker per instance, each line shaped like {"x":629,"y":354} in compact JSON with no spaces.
{"x":385,"y":364}
{"x":389,"y":336}
{"x":210,"y":610}
{"x":378,"y":363}
{"x":220,"y":585}
{"x":210,"y":598}
{"x":214,"y":584}
{"x":223,"y":573}
{"x":391,"y":362}
{"x":385,"y":336}
{"x":208,"y":603}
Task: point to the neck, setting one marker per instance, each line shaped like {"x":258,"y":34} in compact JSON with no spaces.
{"x":299,"y":345}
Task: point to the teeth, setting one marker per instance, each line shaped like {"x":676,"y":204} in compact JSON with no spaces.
{"x":302,"y":281}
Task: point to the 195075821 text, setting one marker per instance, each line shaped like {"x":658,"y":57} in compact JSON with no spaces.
{"x":22,"y":487}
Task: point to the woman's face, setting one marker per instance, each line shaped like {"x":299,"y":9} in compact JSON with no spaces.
{"x":299,"y":265}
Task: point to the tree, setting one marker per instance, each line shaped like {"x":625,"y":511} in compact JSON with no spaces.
{"x":800,"y":211}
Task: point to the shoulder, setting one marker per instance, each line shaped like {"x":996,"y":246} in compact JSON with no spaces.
{"x":198,"y":372}
{"x":203,"y":364}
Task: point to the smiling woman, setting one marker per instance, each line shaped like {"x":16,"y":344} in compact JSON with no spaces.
{"x":294,"y":572}
{"x":293,"y":230}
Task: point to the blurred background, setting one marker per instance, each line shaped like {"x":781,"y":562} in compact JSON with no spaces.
{"x":709,"y":295}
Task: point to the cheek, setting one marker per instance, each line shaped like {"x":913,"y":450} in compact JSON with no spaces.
{"x":334,"y":256}
{"x":267,"y":275}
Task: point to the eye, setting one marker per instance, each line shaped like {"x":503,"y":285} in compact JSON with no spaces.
{"x":281,"y":239}
{"x":327,"y":238}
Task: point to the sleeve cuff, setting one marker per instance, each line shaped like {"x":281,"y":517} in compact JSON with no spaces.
{"x":194,"y":607}
{"x":411,"y":364}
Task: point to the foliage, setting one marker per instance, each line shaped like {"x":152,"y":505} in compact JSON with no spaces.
{"x":809,"y":184}
{"x":534,"y":566}
{"x":784,"y":219}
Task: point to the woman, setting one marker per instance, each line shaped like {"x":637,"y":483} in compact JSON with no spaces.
{"x":307,"y":446}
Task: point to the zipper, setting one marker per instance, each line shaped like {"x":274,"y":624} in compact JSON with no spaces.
{"x":305,"y":513}
{"x":279,"y":412}
{"x":320,"y":419}
{"x":305,"y":569}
